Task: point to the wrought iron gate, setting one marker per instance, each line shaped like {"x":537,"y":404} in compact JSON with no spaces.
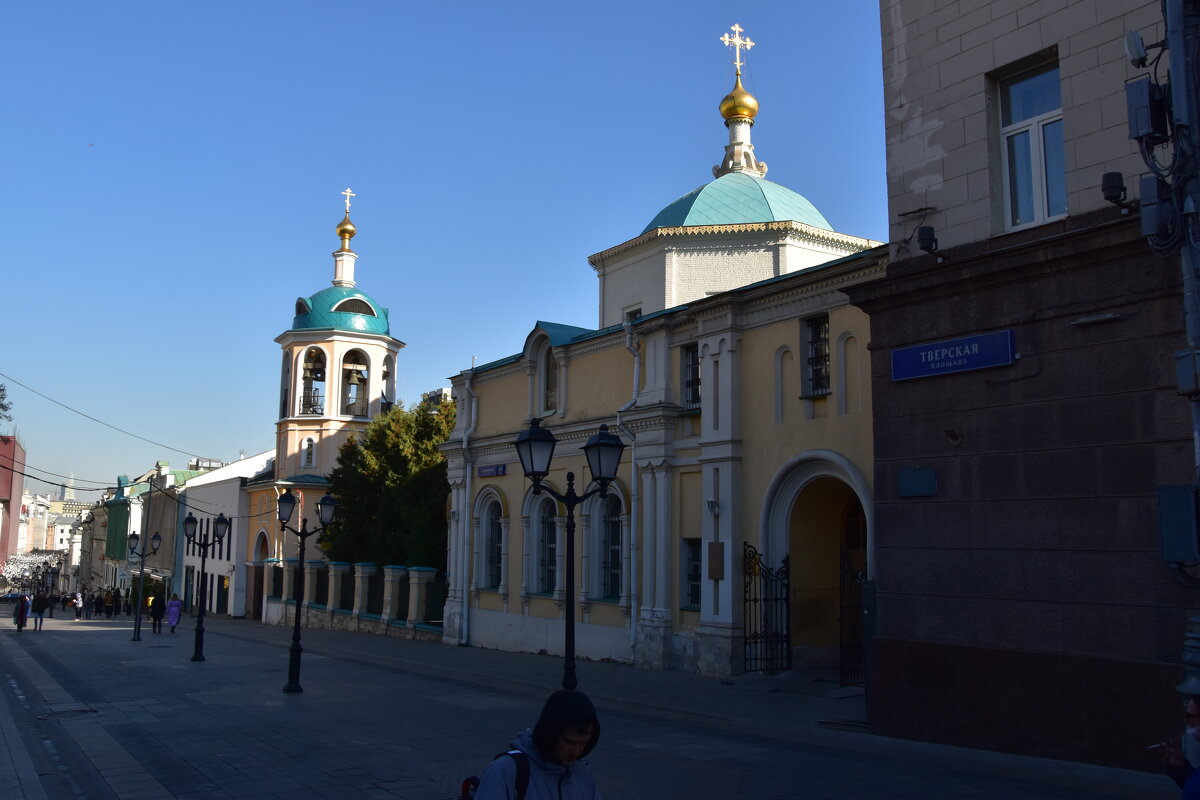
{"x":850,"y":646}
{"x":768,"y":639}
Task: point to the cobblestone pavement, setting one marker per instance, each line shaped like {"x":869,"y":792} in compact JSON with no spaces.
{"x":92,"y":714}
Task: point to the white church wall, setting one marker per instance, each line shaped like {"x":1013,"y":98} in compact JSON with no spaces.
{"x":638,"y":280}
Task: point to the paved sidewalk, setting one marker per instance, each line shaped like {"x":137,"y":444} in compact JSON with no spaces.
{"x":95,"y":715}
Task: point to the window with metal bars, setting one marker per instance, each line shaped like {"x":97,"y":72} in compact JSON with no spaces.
{"x":691,"y":574}
{"x":690,"y":378}
{"x":495,"y":545}
{"x":610,"y":544}
{"x":547,"y":549}
{"x":816,"y":378}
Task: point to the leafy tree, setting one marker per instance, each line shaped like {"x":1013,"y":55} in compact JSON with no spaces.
{"x":391,"y":488}
{"x":5,"y":404}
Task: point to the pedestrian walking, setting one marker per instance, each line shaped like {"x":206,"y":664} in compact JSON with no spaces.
{"x":174,"y":610}
{"x":21,"y":612}
{"x":1178,"y":768}
{"x":108,"y":604}
{"x":157,"y":609}
{"x":39,"y":605}
{"x":78,"y":603}
{"x":552,"y":753}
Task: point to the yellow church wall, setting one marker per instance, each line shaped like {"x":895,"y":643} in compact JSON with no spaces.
{"x":813,"y":594}
{"x":543,"y":607}
{"x":690,"y":502}
{"x":779,"y":437}
{"x":598,"y":383}
{"x":490,"y":601}
{"x":607,"y":614}
{"x":503,"y":404}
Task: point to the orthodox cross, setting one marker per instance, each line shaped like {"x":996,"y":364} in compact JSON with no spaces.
{"x":737,"y":43}
{"x":348,"y":194}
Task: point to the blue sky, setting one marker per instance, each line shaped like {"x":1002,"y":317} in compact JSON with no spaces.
{"x":172,"y":175}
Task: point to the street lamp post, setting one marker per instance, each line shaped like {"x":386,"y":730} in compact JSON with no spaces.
{"x":51,"y":586}
{"x":25,"y":582}
{"x":535,"y":447}
{"x":326,"y":507}
{"x":155,"y":541}
{"x":220,"y":527}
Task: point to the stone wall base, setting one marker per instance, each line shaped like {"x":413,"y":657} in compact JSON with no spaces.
{"x":719,"y":650}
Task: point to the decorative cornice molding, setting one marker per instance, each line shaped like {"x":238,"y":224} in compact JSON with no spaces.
{"x":784,"y":231}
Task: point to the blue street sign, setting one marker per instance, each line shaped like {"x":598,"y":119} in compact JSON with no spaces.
{"x":953,"y":355}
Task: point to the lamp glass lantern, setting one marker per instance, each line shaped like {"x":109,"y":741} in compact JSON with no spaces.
{"x":326,"y":508}
{"x":603,"y":453}
{"x":287,"y":506}
{"x":535,"y":448}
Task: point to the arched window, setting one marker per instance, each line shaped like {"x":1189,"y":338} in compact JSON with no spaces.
{"x":494,"y":544}
{"x":388,"y":399}
{"x":547,"y":549}
{"x":355,"y":384}
{"x":308,"y":453}
{"x":285,"y":387}
{"x":547,"y":379}
{"x":610,"y":550}
{"x":313,"y":399}
{"x":355,"y":306}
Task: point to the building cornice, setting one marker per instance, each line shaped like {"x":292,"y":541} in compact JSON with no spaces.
{"x":784,"y":231}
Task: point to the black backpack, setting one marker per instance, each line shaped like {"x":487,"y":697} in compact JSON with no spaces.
{"x":522,"y":782}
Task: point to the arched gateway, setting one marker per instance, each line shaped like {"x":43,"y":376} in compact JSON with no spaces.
{"x":817,"y":520}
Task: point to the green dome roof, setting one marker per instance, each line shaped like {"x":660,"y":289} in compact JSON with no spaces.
{"x":737,"y":198}
{"x":341,"y":308}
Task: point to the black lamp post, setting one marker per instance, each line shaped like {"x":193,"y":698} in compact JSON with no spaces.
{"x":326,"y":507}
{"x":155,"y":541}
{"x":52,"y":573}
{"x":220,"y":527}
{"x":535,"y":447}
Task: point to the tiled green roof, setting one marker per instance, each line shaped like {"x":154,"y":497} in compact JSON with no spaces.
{"x":322,"y":316}
{"x":738,"y":198}
{"x":304,"y":480}
{"x":560,"y":334}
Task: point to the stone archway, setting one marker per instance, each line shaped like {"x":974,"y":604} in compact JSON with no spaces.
{"x":818,"y":514}
{"x":827,"y":546}
{"x":258,"y":581}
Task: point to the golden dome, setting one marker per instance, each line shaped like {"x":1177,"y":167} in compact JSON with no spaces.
{"x":346,"y":229}
{"x":739,"y":103}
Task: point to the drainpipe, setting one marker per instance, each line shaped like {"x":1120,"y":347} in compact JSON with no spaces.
{"x":633,"y":484}
{"x":464,"y":516}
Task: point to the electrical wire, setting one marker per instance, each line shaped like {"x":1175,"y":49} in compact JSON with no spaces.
{"x":190,"y":505}
{"x":100,"y":421}
{"x":100,"y":485}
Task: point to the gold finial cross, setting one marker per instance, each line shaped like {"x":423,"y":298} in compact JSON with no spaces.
{"x":348,"y":194}
{"x":737,"y":43}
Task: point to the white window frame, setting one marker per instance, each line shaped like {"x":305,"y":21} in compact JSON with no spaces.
{"x":1034,"y":127}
